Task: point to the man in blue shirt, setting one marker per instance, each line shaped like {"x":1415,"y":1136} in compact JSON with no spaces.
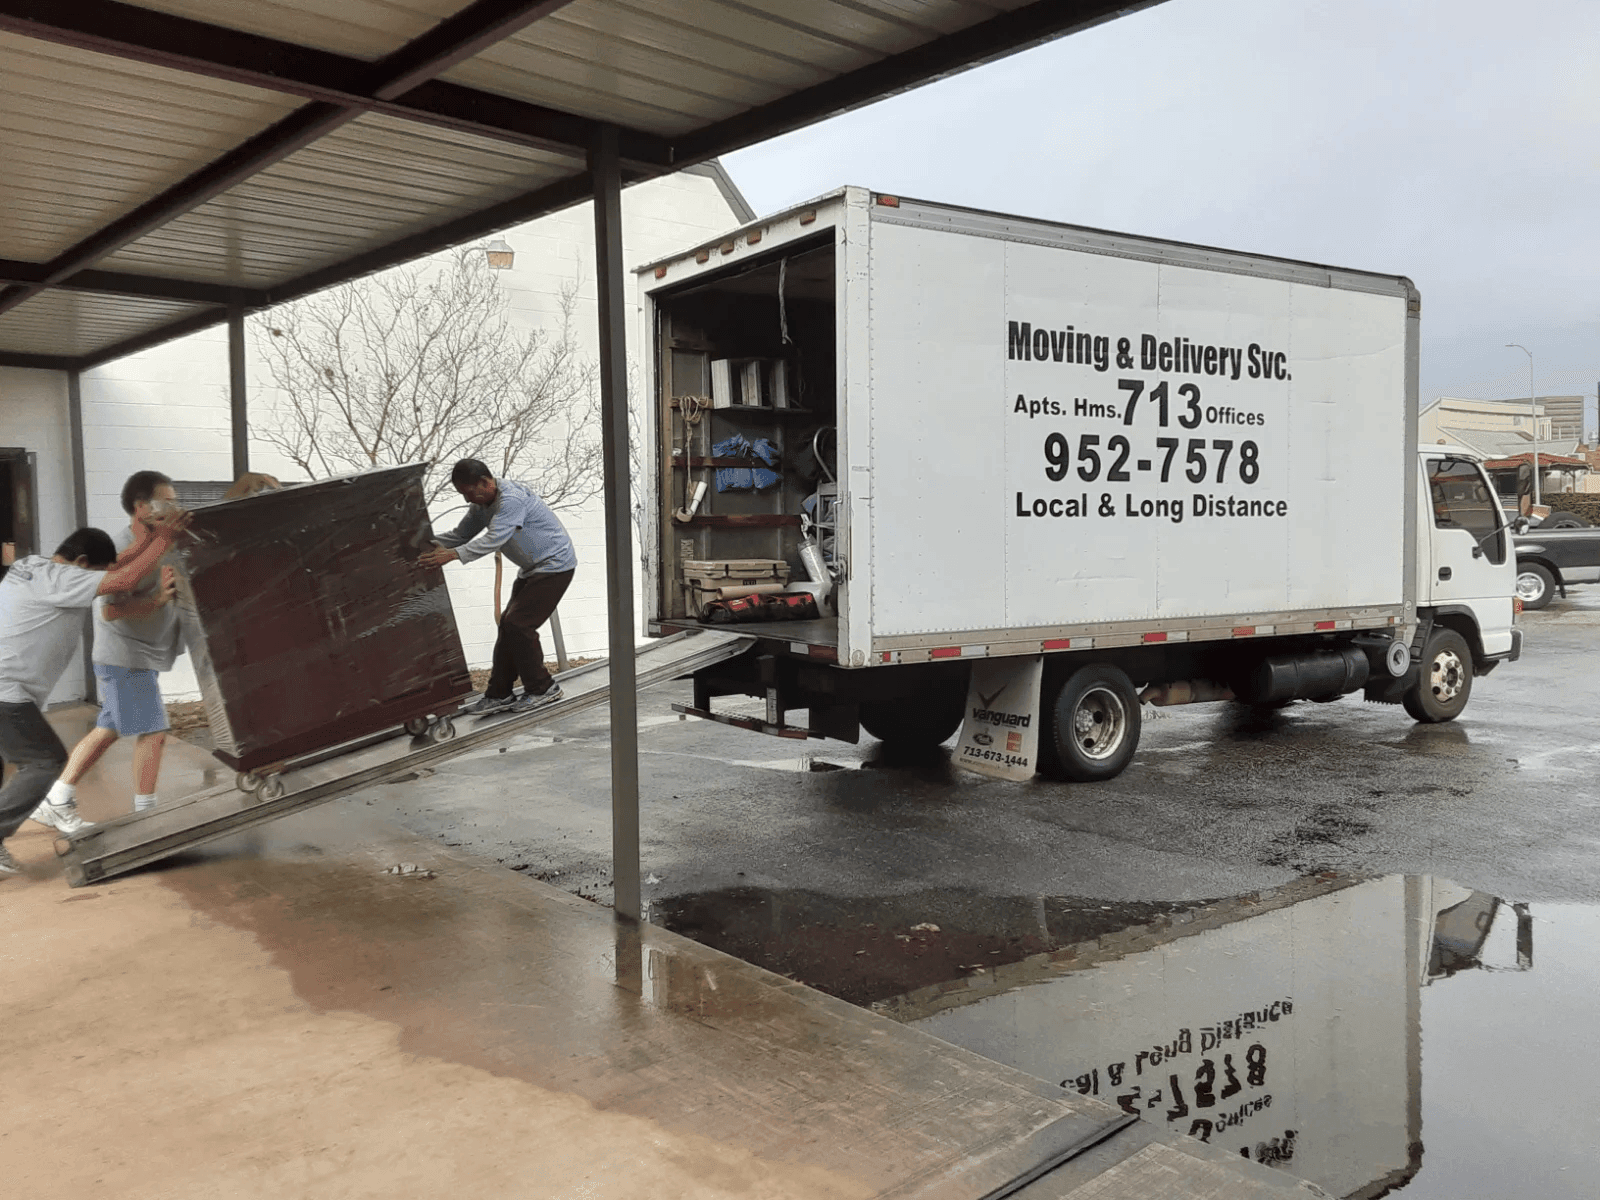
{"x":511,"y":518}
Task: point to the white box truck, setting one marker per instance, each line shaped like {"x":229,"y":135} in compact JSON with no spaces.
{"x":1027,"y":474}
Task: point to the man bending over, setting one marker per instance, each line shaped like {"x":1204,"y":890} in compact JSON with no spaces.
{"x":509,"y":517}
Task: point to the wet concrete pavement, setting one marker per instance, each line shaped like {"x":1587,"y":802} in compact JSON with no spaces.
{"x":1302,"y":939}
{"x":329,"y":1006}
{"x":823,"y":867}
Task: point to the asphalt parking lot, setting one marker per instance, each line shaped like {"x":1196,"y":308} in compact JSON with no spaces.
{"x":1219,"y":801}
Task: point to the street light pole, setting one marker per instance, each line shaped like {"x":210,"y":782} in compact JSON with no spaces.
{"x":1533,"y":406}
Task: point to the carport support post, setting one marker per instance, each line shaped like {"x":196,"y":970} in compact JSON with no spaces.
{"x":80,"y":510}
{"x":605,"y":173}
{"x":237,"y":380}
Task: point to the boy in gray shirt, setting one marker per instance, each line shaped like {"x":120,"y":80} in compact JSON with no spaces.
{"x":40,"y":602}
{"x":135,"y":639}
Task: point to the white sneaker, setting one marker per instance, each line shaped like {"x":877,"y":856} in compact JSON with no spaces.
{"x":61,"y":817}
{"x":8,"y":865}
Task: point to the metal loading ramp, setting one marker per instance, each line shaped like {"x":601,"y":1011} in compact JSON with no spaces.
{"x":138,"y":839}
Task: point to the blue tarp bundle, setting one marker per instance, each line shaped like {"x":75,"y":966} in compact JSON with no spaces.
{"x":746,"y":479}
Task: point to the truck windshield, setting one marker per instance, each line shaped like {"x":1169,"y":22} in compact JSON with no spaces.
{"x":1462,"y":500}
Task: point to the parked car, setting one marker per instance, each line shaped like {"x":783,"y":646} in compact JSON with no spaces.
{"x":1552,"y":556}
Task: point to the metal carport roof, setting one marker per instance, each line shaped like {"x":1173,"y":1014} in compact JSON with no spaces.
{"x":162,"y":161}
{"x":167,"y":166}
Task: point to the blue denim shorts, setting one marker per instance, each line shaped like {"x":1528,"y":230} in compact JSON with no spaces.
{"x":130,"y":700}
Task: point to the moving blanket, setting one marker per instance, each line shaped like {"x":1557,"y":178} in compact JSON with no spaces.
{"x":308,"y":619}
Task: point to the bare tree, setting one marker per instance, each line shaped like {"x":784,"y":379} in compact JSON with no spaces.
{"x":424,"y":363}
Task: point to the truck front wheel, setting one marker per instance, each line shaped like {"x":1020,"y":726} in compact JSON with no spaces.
{"x":1092,"y":727}
{"x":1445,"y":683}
{"x":1535,"y":585}
{"x":925,"y":721}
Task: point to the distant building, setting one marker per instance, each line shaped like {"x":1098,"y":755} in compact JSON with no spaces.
{"x":1495,"y":428}
{"x":1565,"y":415}
{"x":1502,"y":431}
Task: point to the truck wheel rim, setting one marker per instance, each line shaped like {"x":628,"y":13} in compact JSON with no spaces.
{"x":1099,"y":722}
{"x":1529,"y":586}
{"x":1448,"y":675}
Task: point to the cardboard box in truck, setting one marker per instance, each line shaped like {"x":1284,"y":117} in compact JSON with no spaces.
{"x":1032,"y":474}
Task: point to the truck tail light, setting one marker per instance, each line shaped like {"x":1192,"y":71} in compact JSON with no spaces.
{"x":889,"y":201}
{"x":1516,"y":606}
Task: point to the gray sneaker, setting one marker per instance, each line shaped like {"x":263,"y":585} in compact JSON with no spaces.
{"x":61,"y":817}
{"x":485,"y":704}
{"x":8,"y":865}
{"x":543,"y":700}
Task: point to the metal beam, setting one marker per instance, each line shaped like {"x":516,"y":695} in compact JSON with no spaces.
{"x":606,"y":175}
{"x":389,"y":77}
{"x":120,"y":283}
{"x":1020,"y":29}
{"x":197,"y":48}
{"x":38,"y":362}
{"x":238,"y":396}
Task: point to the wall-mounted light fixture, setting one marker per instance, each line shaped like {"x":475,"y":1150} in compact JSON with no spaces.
{"x":500,"y":254}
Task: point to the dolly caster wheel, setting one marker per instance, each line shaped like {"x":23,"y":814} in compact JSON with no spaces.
{"x":417,"y":726}
{"x":443,"y":731}
{"x":247,"y":781}
{"x":271,"y":788}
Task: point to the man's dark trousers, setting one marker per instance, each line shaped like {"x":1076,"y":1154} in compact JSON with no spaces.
{"x":27,"y":741}
{"x":517,"y":652}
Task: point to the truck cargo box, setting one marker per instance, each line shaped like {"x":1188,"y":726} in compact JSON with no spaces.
{"x":309,"y":619}
{"x":1035,"y":433}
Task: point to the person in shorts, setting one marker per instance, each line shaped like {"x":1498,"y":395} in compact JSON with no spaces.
{"x":136,"y":637}
{"x":41,"y":602}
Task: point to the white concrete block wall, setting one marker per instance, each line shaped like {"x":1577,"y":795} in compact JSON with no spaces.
{"x":34,"y":416}
{"x":167,"y":408}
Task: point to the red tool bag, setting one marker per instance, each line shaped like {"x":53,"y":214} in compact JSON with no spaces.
{"x":799,"y":606}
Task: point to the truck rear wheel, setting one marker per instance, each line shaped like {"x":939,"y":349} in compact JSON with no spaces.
{"x":1091,"y":729}
{"x":925,"y":721}
{"x":1445,"y":684}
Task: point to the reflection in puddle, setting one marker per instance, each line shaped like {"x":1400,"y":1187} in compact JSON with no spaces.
{"x":1285,"y":1026}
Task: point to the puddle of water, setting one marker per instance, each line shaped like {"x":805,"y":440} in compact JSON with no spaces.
{"x":1396,"y":1035}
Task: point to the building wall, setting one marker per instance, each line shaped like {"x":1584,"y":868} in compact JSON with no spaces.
{"x":34,"y":416}
{"x":167,"y":408}
{"x":1449,"y":412}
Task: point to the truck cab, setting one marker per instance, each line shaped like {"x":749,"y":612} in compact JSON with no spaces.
{"x":1466,"y":576}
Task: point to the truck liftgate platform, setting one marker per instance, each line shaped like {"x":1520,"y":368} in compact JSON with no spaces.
{"x":138,"y":839}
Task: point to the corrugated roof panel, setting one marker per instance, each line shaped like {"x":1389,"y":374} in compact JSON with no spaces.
{"x":84,"y":138}
{"x":942,"y":15}
{"x":81,"y":322}
{"x":375,"y":180}
{"x":668,"y":66}
{"x":366,"y":29}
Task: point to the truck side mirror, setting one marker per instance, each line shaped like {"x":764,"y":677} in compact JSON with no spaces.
{"x":1520,"y":525}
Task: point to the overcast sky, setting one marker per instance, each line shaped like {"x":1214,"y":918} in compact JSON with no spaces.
{"x":1453,"y":141}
